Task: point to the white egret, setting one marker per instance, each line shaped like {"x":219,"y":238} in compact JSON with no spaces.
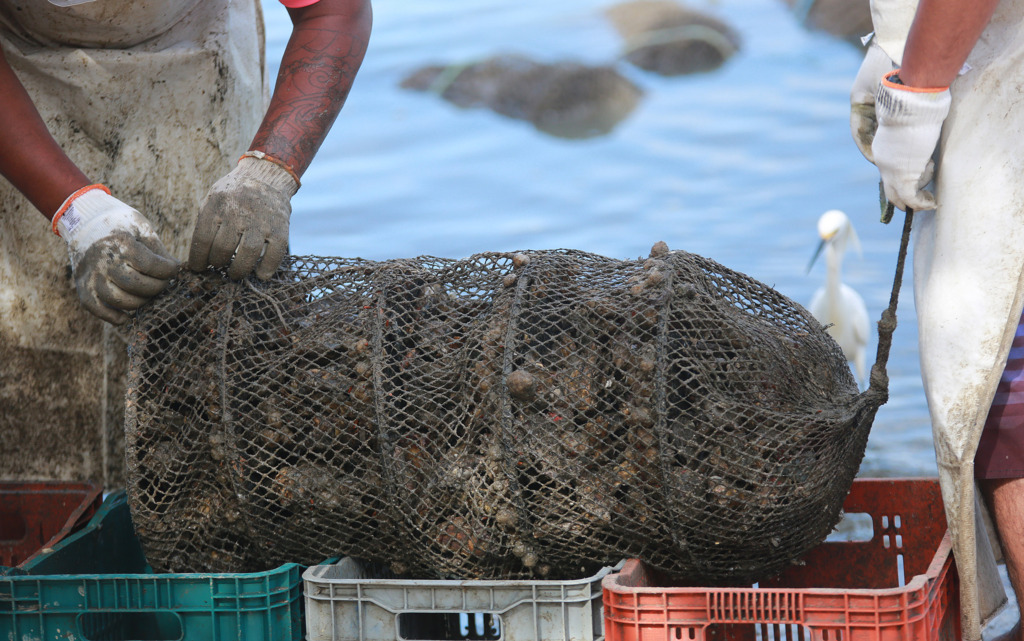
{"x":836,"y":305}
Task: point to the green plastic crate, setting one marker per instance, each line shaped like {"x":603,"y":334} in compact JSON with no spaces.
{"x":96,"y":585}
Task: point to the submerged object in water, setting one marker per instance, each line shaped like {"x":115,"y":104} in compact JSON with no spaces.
{"x":670,"y":39}
{"x":846,"y":19}
{"x":563,"y":99}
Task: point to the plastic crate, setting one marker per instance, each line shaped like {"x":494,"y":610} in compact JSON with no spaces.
{"x":36,"y":515}
{"x":344,"y":603}
{"x":96,"y":584}
{"x":898,"y":584}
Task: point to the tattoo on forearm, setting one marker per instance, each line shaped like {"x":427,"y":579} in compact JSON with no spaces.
{"x":316,"y":75}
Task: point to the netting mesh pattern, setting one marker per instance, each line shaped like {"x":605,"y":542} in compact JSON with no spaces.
{"x":509,"y":415}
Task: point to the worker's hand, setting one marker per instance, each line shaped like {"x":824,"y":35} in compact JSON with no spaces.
{"x":862,"y":97}
{"x":243,"y":223}
{"x":117,"y":259}
{"x":909,"y":124}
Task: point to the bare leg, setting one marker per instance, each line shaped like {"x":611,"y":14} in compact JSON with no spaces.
{"x":1005,"y":498}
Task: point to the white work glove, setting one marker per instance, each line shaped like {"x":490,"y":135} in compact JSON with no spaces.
{"x":117,"y":259}
{"x":909,"y":123}
{"x":862,"y":97}
{"x":243,"y":222}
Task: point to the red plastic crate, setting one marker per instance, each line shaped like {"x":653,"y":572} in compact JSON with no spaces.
{"x":35,"y":515}
{"x":843,"y":591}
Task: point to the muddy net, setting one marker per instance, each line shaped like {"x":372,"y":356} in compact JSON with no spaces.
{"x":510,"y":415}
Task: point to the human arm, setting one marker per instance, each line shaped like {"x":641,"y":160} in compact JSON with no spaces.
{"x":319,"y":65}
{"x":117,"y":260}
{"x":941,"y":37}
{"x":243,"y":223}
{"x":913,"y":102}
{"x":30,"y":158}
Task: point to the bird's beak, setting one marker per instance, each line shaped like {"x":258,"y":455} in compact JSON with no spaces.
{"x":817,"y":251}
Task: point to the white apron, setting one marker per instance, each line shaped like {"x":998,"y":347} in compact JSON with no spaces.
{"x":968,"y":258}
{"x":157,"y":100}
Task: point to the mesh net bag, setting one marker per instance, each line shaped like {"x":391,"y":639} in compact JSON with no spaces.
{"x":511,"y":415}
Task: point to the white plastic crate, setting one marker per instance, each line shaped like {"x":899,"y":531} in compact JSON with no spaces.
{"x":344,"y":604}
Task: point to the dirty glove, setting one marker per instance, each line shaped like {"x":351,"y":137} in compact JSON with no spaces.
{"x":909,"y":123}
{"x":243,"y":223}
{"x":117,"y":259}
{"x":862,"y":97}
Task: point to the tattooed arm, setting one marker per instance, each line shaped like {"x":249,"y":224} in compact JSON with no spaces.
{"x":319,"y":64}
{"x":243,"y":223}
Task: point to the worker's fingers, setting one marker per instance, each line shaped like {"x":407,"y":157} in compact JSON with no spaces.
{"x":199,"y":253}
{"x":133,"y":266}
{"x":904,"y":191}
{"x":250,"y":248}
{"x":111,"y":295}
{"x":92,"y":289}
{"x":207,"y":226}
{"x":906,"y":194}
{"x":149,"y":257}
{"x":276,"y":250}
{"x":922,"y":201}
{"x":126,"y":278}
{"x":244,"y":220}
{"x":926,"y":175}
{"x":101,"y":311}
{"x":109,"y":282}
{"x":224,"y":245}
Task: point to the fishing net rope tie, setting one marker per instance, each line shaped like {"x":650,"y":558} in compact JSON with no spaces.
{"x":510,"y":415}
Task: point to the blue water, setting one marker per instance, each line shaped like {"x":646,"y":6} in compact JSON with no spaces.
{"x":736,"y":165}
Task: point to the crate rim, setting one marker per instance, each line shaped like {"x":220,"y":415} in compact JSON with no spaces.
{"x":917,"y":582}
{"x":603,"y":573}
{"x":143,"y":576}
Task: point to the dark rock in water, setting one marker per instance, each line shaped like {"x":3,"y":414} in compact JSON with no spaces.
{"x":564,"y":99}
{"x":846,"y":19}
{"x":672,"y":40}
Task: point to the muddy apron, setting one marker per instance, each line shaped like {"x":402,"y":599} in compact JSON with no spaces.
{"x":968,"y":258}
{"x":156,"y":100}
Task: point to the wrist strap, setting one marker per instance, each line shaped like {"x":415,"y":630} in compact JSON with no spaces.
{"x":70,"y":199}
{"x":254,"y":153}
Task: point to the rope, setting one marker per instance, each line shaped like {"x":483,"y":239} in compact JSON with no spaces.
{"x":269,"y":299}
{"x":887,"y":324}
{"x":447,"y":77}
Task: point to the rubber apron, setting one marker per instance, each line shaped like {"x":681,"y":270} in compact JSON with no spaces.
{"x":968,"y":258}
{"x":156,"y":100}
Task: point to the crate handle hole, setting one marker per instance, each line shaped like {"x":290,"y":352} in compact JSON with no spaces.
{"x":138,"y":626}
{"x":853,"y":527}
{"x":13,"y":528}
{"x":688,"y":633}
{"x":449,"y":626}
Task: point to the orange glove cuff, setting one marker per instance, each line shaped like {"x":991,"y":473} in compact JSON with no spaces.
{"x":893,"y":80}
{"x":280,"y":163}
{"x":70,"y":199}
